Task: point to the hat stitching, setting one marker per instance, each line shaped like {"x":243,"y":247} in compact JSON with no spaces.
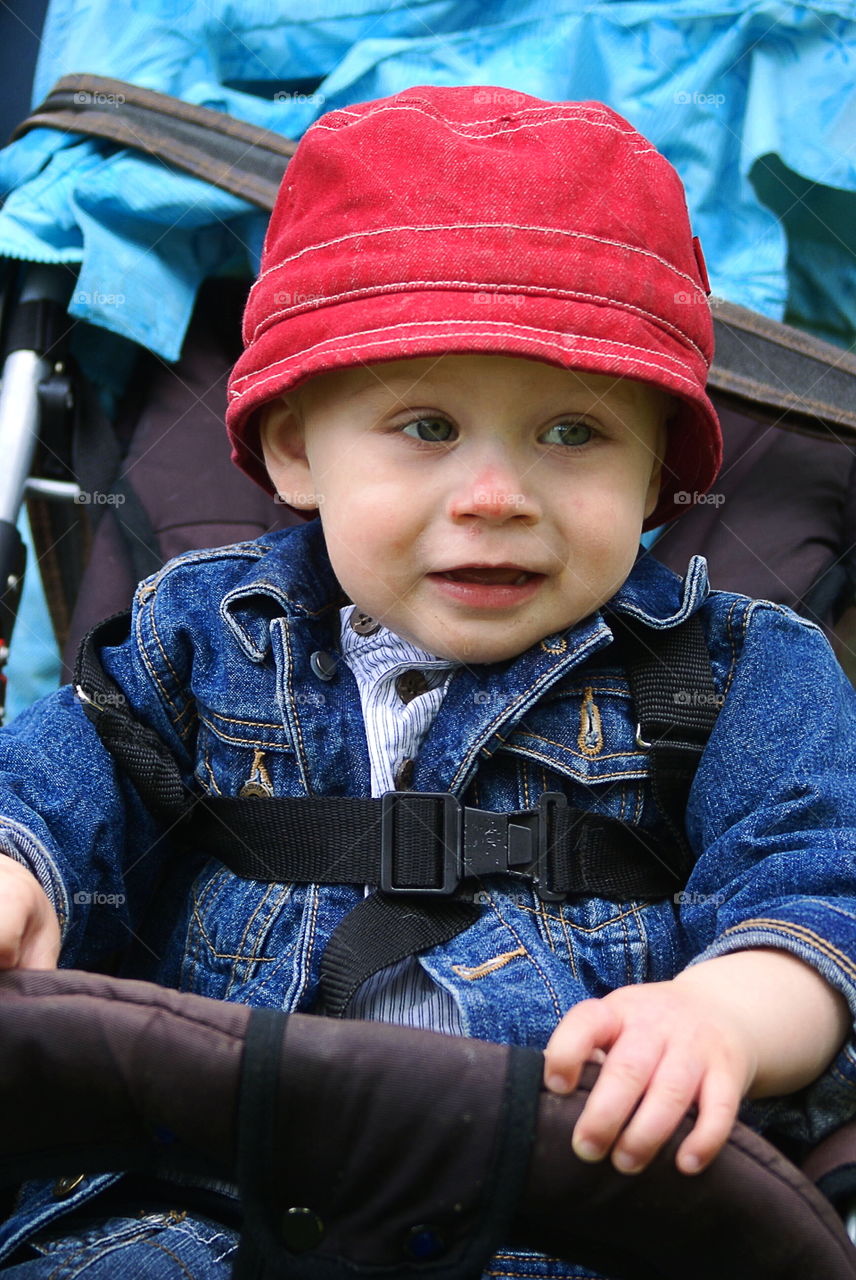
{"x":586,"y":117}
{"x":472,"y":226}
{"x":508,"y":127}
{"x":630,"y":358}
{"x":492,"y":287}
{"x":581,"y":109}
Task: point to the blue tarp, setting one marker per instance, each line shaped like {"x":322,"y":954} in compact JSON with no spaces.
{"x":755,"y":104}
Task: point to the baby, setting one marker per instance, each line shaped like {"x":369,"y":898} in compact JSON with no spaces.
{"x":477,"y":349}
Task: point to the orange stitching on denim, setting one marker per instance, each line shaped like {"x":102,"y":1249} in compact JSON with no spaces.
{"x":251,"y":956}
{"x":225,"y":955}
{"x":590,"y":725}
{"x":177,"y":715}
{"x":559,"y":646}
{"x":251,"y":724}
{"x":531,"y":958}
{"x":579,"y":928}
{"x":301,"y":753}
{"x":579,"y":655}
{"x":802,"y":934}
{"x":249,"y":743}
{"x":488,"y":966}
{"x":563,"y":767}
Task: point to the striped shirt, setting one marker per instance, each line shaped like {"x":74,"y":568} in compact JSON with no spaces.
{"x":401,"y":688}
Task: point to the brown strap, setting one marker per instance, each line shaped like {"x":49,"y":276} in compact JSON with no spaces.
{"x":798,"y":381}
{"x":212,"y":145}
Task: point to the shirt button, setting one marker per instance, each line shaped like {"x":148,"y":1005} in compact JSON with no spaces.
{"x":404,"y":775}
{"x":323,"y":664}
{"x":363,"y":624}
{"x":65,"y":1186}
{"x":301,"y":1229}
{"x":410,"y":684}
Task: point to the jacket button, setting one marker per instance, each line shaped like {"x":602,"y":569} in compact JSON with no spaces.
{"x":363,"y":624}
{"x":323,"y":664}
{"x":410,"y":684}
{"x":404,"y":775}
{"x":424,"y":1243}
{"x":65,"y":1186}
{"x":301,"y":1229}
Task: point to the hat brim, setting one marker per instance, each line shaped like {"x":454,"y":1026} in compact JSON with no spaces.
{"x":570,"y":333}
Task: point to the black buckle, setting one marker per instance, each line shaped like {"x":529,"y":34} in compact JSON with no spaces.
{"x":449,"y":842}
{"x":476,"y":842}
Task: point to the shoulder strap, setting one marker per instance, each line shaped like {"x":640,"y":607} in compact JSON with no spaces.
{"x":138,"y":750}
{"x":676,"y":702}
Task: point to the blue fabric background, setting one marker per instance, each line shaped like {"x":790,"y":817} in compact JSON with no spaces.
{"x":755,"y":103}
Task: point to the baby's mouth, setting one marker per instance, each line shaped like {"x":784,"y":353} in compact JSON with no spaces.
{"x":501,"y":577}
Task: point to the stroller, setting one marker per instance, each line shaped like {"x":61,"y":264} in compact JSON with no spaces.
{"x":493,"y":1161}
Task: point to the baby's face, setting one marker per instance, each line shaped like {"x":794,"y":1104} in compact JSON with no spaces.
{"x":474,"y":504}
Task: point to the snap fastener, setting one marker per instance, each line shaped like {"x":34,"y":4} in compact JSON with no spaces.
{"x":65,"y":1186}
{"x":255,"y":791}
{"x":410,"y":684}
{"x":323,"y":664}
{"x":424,"y":1243}
{"x":404,"y":775}
{"x":363,"y":624}
{"x":301,"y":1229}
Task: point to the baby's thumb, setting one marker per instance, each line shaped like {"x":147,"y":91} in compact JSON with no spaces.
{"x":29,"y":936}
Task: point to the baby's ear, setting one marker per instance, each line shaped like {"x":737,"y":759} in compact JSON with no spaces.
{"x":283,"y":444}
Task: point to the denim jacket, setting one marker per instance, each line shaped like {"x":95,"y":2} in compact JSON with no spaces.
{"x":219,"y":663}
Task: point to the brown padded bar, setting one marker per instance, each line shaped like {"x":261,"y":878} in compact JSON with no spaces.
{"x":377,"y":1129}
{"x":212,"y":145}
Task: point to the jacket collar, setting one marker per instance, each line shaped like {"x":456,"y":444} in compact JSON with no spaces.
{"x":294,"y":578}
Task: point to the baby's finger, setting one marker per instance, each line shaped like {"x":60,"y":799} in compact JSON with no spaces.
{"x":623,"y":1079}
{"x":718,"y":1104}
{"x":583,"y":1032}
{"x":672,"y":1091}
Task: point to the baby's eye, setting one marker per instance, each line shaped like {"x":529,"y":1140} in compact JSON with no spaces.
{"x":435,"y":430}
{"x":570,"y":432}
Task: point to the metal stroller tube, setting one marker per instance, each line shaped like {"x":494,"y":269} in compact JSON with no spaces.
{"x":369,"y":1147}
{"x":39,"y":318}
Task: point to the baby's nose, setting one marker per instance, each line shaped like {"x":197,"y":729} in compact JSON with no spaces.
{"x":493,"y":493}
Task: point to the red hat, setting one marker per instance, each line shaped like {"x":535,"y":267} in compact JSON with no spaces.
{"x":469,"y":219}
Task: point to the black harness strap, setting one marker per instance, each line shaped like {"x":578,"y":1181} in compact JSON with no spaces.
{"x":379,"y":932}
{"x":676,"y":703}
{"x":423,"y":849}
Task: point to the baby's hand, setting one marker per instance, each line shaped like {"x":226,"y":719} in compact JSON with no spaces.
{"x":29,"y":930}
{"x":663,"y":1048}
